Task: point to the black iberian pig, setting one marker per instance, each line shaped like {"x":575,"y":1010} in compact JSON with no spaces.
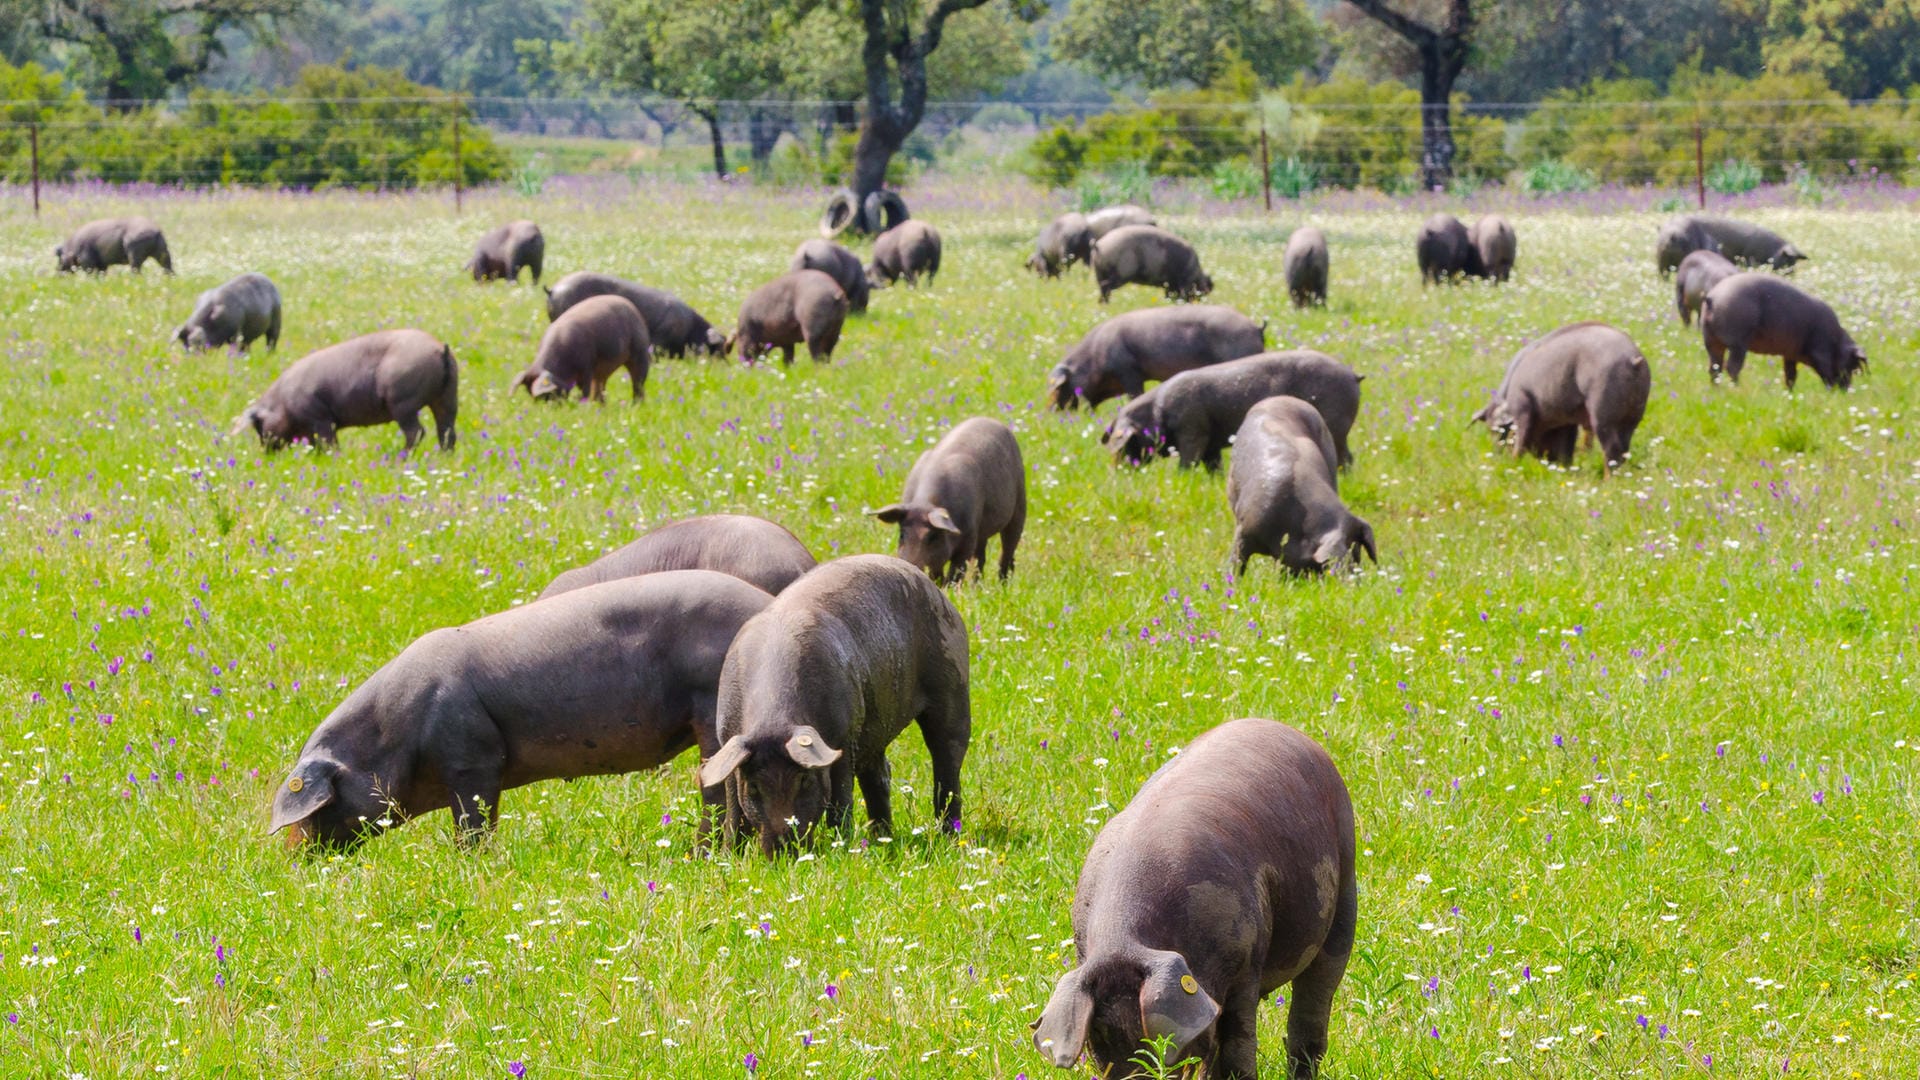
{"x":233,"y":314}
{"x":1305,"y":263}
{"x":966,"y":489}
{"x":1148,"y":255}
{"x":584,"y":347}
{"x":818,"y":685}
{"x":1284,"y":494}
{"x":803,"y":305}
{"x":1761,"y":313}
{"x":755,"y":550}
{"x":1229,"y":875}
{"x":613,"y":678}
{"x":672,"y":324}
{"x":1699,"y":272}
{"x":1588,"y":377}
{"x":381,"y":378}
{"x":1445,"y":251}
{"x":1196,"y":413}
{"x":1118,"y":356}
{"x":503,"y":252}
{"x":905,"y":252}
{"x":838,"y":263}
{"x":122,"y":241}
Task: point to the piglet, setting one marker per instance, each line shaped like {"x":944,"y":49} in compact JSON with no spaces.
{"x":1588,"y":377}
{"x":968,"y":488}
{"x":1229,"y":875}
{"x":818,"y":685}
{"x":381,"y":378}
{"x":613,"y":678}
{"x":1285,"y":498}
{"x":755,"y":550}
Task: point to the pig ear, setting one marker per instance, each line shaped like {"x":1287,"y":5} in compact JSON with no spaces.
{"x":940,"y":519}
{"x":309,"y":788}
{"x":809,"y":749}
{"x":892,"y":515}
{"x":1061,"y":1031}
{"x":1172,"y":1002}
{"x":1330,"y":548}
{"x":724,"y":762}
{"x":544,"y":385}
{"x":1363,"y":535}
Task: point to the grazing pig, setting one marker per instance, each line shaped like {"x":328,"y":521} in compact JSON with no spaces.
{"x":1196,"y":413}
{"x":838,"y":263}
{"x":1119,"y":356}
{"x":672,"y":325}
{"x":904,"y":252}
{"x":1306,"y":266}
{"x":752,"y":549}
{"x":1761,"y":313}
{"x":1062,"y":243}
{"x":1148,"y":255}
{"x":1745,"y":243}
{"x":235,"y":313}
{"x":1229,"y":875}
{"x":1495,"y":246}
{"x":1285,"y":498}
{"x":614,"y":678}
{"x":1699,"y":272}
{"x":1108,"y":218}
{"x":1584,"y":377}
{"x":804,"y":305}
{"x":124,"y":241}
{"x":381,"y":378}
{"x":1445,"y":250}
{"x":502,"y":252}
{"x":970,"y":487}
{"x":818,"y":685}
{"x":584,"y":347}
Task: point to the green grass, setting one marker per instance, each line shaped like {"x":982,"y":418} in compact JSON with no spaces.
{"x":1618,"y":748}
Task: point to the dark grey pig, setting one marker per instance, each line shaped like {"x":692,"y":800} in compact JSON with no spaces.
{"x":1745,"y":243}
{"x":818,"y":685}
{"x":1062,"y":243}
{"x":383,"y":378}
{"x":904,"y":252}
{"x":123,"y":241}
{"x":1305,"y":262}
{"x":1196,"y":413}
{"x":1584,"y":377}
{"x":1445,"y":250}
{"x":838,"y":263}
{"x":672,"y":325}
{"x":503,"y":252}
{"x":1108,"y":218}
{"x":1118,"y":356}
{"x":1699,"y":272}
{"x":1285,"y":498}
{"x":1148,"y":255}
{"x":235,"y":313}
{"x":1229,"y":875}
{"x":614,"y":678}
{"x":1495,"y":245}
{"x":804,"y":305}
{"x":584,"y":347}
{"x":752,"y":549}
{"x":968,"y":488}
{"x":1761,"y":313}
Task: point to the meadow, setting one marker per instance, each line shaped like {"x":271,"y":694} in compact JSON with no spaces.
{"x":1634,"y":759}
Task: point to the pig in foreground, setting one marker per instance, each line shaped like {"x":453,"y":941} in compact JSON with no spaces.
{"x":968,"y":488}
{"x":838,"y":263}
{"x":382,"y":378}
{"x":503,"y":252}
{"x":672,"y":325}
{"x":613,"y":678}
{"x":804,"y":305}
{"x":904,"y":252}
{"x":1764,"y":314}
{"x":122,"y":241}
{"x":1584,"y":377}
{"x":1305,"y":262}
{"x":584,"y":347}
{"x":1197,"y":413}
{"x":1148,"y":255}
{"x":1284,"y":495}
{"x":1229,"y":875}
{"x":818,"y":685}
{"x":1699,"y":272}
{"x":233,"y":314}
{"x":1118,"y":356}
{"x":1446,"y":251}
{"x":1743,"y":242}
{"x":1495,"y":246}
{"x":755,"y":550}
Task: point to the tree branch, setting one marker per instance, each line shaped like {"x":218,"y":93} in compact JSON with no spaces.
{"x":1418,"y":33}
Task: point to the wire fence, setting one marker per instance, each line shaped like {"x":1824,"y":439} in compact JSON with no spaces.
{"x":1279,"y":144}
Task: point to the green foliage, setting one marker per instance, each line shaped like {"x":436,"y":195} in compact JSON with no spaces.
{"x":1807,"y":187}
{"x":1119,"y":182}
{"x":530,"y":178}
{"x":1554,"y":177}
{"x":1733,"y":177}
{"x":319,"y":136}
{"x":837,"y":168}
{"x":1237,"y":179}
{"x":1056,"y":156}
{"x":1153,"y":1064}
{"x":1171,"y":43}
{"x":1293,"y":177}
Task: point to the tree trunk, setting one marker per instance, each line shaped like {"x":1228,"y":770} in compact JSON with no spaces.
{"x":712,"y":117}
{"x":871,"y":156}
{"x":763,"y":132}
{"x":1436,"y":120}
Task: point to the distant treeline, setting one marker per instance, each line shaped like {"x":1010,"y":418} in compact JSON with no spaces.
{"x":366,"y":128}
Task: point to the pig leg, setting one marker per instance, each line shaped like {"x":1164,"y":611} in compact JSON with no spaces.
{"x":786,"y":354}
{"x":1716,"y":352}
{"x":637,"y":375}
{"x":474,"y":798}
{"x":1792,"y":370}
{"x":1313,"y":991}
{"x":947,"y":726}
{"x":820,"y":347}
{"x":1240,"y":555}
{"x":1238,"y":1056}
{"x":1010,"y":537}
{"x":411,"y":427}
{"x":876,"y":790}
{"x":1736,"y":359}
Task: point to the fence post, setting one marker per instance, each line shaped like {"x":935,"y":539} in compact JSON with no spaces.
{"x":1700,"y":164}
{"x":33,"y":137}
{"x":459,"y":172}
{"x":1266,"y":165}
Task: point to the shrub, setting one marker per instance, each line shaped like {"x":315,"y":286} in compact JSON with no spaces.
{"x":1056,"y":156}
{"x":1127,"y":182}
{"x":1553,"y":176}
{"x":1733,"y":177}
{"x":1236,"y":180}
{"x":1293,"y":177}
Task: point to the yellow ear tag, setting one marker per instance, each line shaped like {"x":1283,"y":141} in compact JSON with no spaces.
{"x":805,"y":740}
{"x":1188,"y":984}
{"x":296,"y":784}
